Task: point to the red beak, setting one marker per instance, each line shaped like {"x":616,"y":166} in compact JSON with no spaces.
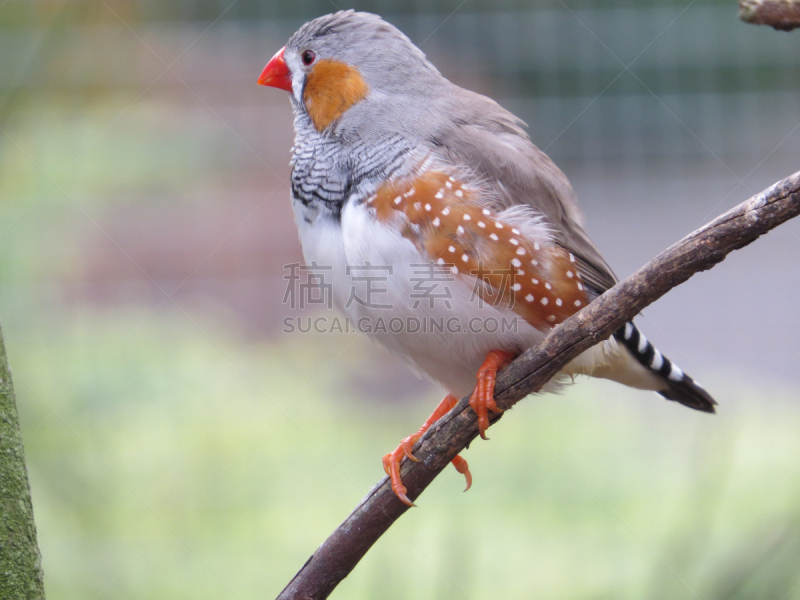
{"x":276,"y":73}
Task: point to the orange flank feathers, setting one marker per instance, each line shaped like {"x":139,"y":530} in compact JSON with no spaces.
{"x":331,"y":88}
{"x":538,"y":280}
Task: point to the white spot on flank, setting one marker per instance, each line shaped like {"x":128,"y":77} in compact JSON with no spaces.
{"x":535,"y":281}
{"x":516,"y":287}
{"x":628,"y":331}
{"x":578,"y":302}
{"x":398,"y":200}
{"x":559,"y":302}
{"x":464,"y":257}
{"x":580,"y":286}
{"x":675,"y":373}
{"x":515,"y":231}
{"x":451,"y":179}
{"x":449,"y":184}
{"x":657,"y":361}
{"x":436,"y":222}
{"x":529,"y":298}
{"x":451,"y":249}
{"x":536,"y":246}
{"x":514,"y":241}
{"x":535,"y":262}
{"x":544,"y":301}
{"x":481,"y":224}
{"x":571,"y":257}
{"x":498,"y":224}
{"x":459,"y":193}
{"x":467,"y":217}
{"x":515,"y":262}
{"x":521,"y":251}
{"x":570,"y":274}
{"x":454,"y":270}
{"x":427,"y":207}
{"x":417,"y":205}
{"x":439,"y":194}
{"x":552,"y":318}
{"x":547,"y":285}
{"x":494,"y":236}
{"x":440,"y":261}
{"x":520,"y":272}
{"x":486,"y":211}
{"x":460,"y":229}
{"x":410,"y":192}
{"x":446,"y":211}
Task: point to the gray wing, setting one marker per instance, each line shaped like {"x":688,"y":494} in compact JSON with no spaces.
{"x":492,"y":142}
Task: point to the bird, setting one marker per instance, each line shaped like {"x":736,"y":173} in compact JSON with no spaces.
{"x":436,"y":196}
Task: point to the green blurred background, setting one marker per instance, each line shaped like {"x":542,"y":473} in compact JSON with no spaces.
{"x":181,"y":446}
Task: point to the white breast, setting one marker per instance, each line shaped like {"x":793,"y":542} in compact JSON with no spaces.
{"x":446,"y":343}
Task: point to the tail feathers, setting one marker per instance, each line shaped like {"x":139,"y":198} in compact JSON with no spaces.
{"x":678,"y":385}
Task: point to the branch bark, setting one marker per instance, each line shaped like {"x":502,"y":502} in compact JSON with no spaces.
{"x":783,"y":15}
{"x":699,"y":251}
{"x":21,"y":575}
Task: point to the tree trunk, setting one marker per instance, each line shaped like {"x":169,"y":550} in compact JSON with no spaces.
{"x":21,"y":576}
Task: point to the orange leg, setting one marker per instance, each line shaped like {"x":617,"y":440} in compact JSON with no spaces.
{"x":391,"y":461}
{"x":482,"y":399}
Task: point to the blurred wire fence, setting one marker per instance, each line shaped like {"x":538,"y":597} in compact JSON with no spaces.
{"x":648,"y":81}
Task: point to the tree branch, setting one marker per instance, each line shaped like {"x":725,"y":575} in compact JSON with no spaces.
{"x":699,"y":251}
{"x":783,"y":15}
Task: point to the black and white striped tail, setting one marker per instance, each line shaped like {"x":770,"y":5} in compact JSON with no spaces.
{"x":681,"y":387}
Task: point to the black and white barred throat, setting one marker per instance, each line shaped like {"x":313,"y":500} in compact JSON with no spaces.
{"x":328,"y":170}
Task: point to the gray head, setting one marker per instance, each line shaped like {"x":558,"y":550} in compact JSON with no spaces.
{"x":387,"y":60}
{"x":336,"y":61}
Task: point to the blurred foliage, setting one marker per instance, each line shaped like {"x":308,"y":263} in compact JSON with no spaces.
{"x":181,"y":463}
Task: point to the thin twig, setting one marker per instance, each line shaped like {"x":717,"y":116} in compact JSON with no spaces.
{"x":700,"y":251}
{"x":783,"y":15}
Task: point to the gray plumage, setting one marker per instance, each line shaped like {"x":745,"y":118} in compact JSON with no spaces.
{"x":465,"y":127}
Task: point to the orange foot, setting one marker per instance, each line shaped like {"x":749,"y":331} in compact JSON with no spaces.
{"x":391,"y":462}
{"x":482,"y":399}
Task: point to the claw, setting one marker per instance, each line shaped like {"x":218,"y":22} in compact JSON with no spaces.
{"x":391,"y":464}
{"x":407,"y":444}
{"x":392,"y":460}
{"x":482,"y":398}
{"x":404,"y":499}
{"x":462,"y":467}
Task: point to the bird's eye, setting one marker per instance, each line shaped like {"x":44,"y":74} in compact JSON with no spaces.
{"x":308,"y":57}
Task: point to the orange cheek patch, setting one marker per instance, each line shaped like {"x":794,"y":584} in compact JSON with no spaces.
{"x":331,"y":88}
{"x":540,"y":283}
